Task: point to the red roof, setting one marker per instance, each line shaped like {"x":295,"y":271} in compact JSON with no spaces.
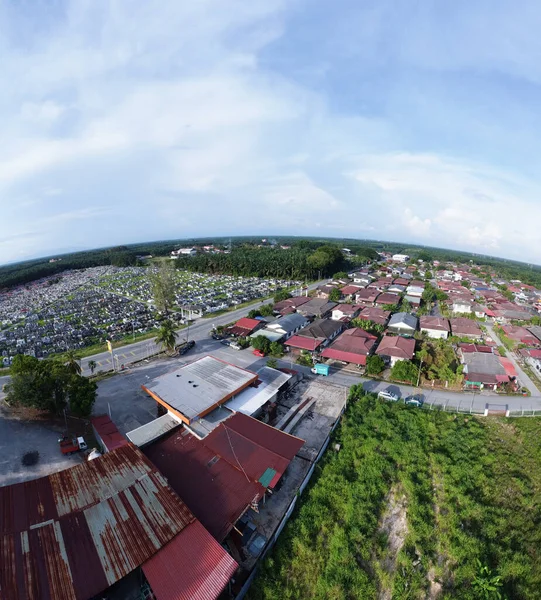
{"x":352,"y":346}
{"x":397,"y":347}
{"x":387,"y":298}
{"x":73,"y":534}
{"x":304,"y":343}
{"x":508,"y":366}
{"x":350,"y":357}
{"x":350,"y":289}
{"x":193,"y":566}
{"x":108,"y":432}
{"x":214,"y":490}
{"x":254,"y":446}
{"x":246,"y":323}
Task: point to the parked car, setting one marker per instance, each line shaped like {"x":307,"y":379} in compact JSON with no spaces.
{"x":235,"y":346}
{"x":387,"y":395}
{"x":415,"y":400}
{"x":186,"y":347}
{"x":216,"y":336}
{"x":259,"y":353}
{"x":226,"y":342}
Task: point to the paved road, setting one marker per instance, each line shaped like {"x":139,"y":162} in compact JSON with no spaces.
{"x":147,"y":348}
{"x":522,"y":377}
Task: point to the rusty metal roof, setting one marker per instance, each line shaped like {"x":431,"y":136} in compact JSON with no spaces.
{"x":206,"y":567}
{"x":217,"y":492}
{"x":74,"y":533}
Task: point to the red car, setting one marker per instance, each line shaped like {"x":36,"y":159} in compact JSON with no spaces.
{"x":259,"y":353}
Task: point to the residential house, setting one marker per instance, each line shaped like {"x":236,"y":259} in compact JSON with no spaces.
{"x":520,"y":335}
{"x":401,"y":258}
{"x":461,"y":306}
{"x":345,"y":312}
{"x":283,"y":328}
{"x":317,"y":307}
{"x":536,"y":331}
{"x":435,"y":327}
{"x":323,"y":291}
{"x":387,"y":298}
{"x":395,"y":348}
{"x":532,"y":356}
{"x":316,"y":335}
{"x":245,"y":327}
{"x":484,"y":369}
{"x":367,"y":296}
{"x":464,"y":327}
{"x":403,"y":324}
{"x":396,"y":288}
{"x":348,"y":292}
{"x":290,"y":304}
{"x":352,"y":346}
{"x":375,"y":314}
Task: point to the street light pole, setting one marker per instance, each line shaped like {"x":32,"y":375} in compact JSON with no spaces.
{"x":419,"y":374}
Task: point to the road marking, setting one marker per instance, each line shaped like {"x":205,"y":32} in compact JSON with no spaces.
{"x":132,"y":353}
{"x":99,"y":363}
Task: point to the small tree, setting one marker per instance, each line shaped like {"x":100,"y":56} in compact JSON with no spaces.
{"x":281,"y":295}
{"x":167,"y":336}
{"x":243,"y":342}
{"x":276,"y":349}
{"x":92,"y":366}
{"x":374,"y":365}
{"x":486,"y":584}
{"x":82,"y":395}
{"x":254,"y":313}
{"x":405,"y":370}
{"x":163,"y":284}
{"x":335,"y":295}
{"x":340,"y":275}
{"x":71,"y":361}
{"x":261,"y":343}
{"x":266,"y":310}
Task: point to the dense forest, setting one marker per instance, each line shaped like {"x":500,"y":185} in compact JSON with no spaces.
{"x":305,"y":259}
{"x":415,"y":504}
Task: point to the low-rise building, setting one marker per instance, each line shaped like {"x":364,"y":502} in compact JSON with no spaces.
{"x":464,"y":327}
{"x":316,"y":335}
{"x":401,"y":258}
{"x":316,"y":308}
{"x":395,"y":348}
{"x":283,"y":328}
{"x":403,"y":324}
{"x":345,"y":312}
{"x":375,"y":315}
{"x":435,"y":327}
{"x":352,"y":346}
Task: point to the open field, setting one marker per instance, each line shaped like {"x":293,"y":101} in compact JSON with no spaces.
{"x":409,"y":504}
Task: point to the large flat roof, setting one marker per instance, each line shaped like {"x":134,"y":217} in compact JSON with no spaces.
{"x":197,"y":388}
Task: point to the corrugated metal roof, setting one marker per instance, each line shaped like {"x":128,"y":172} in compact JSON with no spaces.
{"x":206,"y":567}
{"x":214,"y":490}
{"x":253,"y":445}
{"x":153,"y":430}
{"x":252,"y":399}
{"x":72,"y":534}
{"x":303,"y":343}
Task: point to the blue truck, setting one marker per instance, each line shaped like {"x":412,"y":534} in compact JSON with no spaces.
{"x":320,"y":369}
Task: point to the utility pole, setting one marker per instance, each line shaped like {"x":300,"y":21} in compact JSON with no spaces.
{"x":419,"y":374}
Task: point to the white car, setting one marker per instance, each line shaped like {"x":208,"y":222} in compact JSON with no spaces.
{"x":386,"y":395}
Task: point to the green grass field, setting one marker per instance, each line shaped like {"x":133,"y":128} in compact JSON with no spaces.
{"x":416,"y":504}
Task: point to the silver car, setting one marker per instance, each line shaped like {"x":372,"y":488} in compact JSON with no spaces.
{"x":387,"y":395}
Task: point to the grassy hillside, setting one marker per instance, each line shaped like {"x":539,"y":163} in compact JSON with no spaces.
{"x":416,"y":504}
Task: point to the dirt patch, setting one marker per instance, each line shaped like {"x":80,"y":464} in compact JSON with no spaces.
{"x":435,"y":587}
{"x":394,"y":527}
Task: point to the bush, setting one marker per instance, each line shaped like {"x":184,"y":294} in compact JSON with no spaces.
{"x":374,"y":365}
{"x":405,"y":370}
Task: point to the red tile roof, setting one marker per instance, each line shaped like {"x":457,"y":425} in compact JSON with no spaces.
{"x":387,"y":298}
{"x":350,"y":289}
{"x":74,"y":533}
{"x":304,"y":343}
{"x":351,"y":346}
{"x":193,"y":566}
{"x":249,"y":324}
{"x":397,"y":347}
{"x":434,"y":323}
{"x":375,"y":314}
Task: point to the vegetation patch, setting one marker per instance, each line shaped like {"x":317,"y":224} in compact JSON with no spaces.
{"x":416,"y":504}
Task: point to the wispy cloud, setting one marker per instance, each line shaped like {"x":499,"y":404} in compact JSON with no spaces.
{"x":126,"y":121}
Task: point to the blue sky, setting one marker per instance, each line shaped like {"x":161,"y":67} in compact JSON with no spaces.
{"x":128,"y":121}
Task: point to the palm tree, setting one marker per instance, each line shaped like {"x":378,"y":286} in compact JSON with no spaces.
{"x":72,"y":362}
{"x":92,"y":365}
{"x":167,"y":336}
